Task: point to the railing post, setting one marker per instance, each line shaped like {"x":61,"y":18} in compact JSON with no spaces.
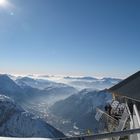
{"x":136,"y":120}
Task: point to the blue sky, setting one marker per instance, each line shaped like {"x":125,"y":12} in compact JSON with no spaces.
{"x":70,"y":37}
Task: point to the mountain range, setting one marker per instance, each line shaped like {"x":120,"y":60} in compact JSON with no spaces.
{"x":81,"y":83}
{"x":67,"y":103}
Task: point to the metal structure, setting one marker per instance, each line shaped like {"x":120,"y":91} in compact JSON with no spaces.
{"x":105,"y":136}
{"x":128,"y":88}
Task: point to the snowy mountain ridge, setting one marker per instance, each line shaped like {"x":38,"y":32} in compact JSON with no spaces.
{"x":79,"y":83}
{"x":15,"y":122}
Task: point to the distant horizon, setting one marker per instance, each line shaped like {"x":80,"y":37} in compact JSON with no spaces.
{"x":37,"y":75}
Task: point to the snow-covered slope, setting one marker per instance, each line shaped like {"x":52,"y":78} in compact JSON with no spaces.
{"x":9,"y":138}
{"x":9,"y":88}
{"x":15,"y":122}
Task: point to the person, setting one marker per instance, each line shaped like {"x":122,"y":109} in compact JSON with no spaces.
{"x":108,"y":108}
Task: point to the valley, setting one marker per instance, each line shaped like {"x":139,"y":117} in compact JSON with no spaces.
{"x":69,"y":109}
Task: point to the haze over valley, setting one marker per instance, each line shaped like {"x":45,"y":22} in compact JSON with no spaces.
{"x":55,"y":101}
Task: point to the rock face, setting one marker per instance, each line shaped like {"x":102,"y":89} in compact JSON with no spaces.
{"x":15,"y":122}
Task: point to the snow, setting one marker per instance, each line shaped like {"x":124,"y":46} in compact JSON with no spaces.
{"x":14,"y":121}
{"x":78,"y":82}
{"x":8,"y":138}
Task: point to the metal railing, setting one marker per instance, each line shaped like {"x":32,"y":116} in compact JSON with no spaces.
{"x":105,"y":135}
